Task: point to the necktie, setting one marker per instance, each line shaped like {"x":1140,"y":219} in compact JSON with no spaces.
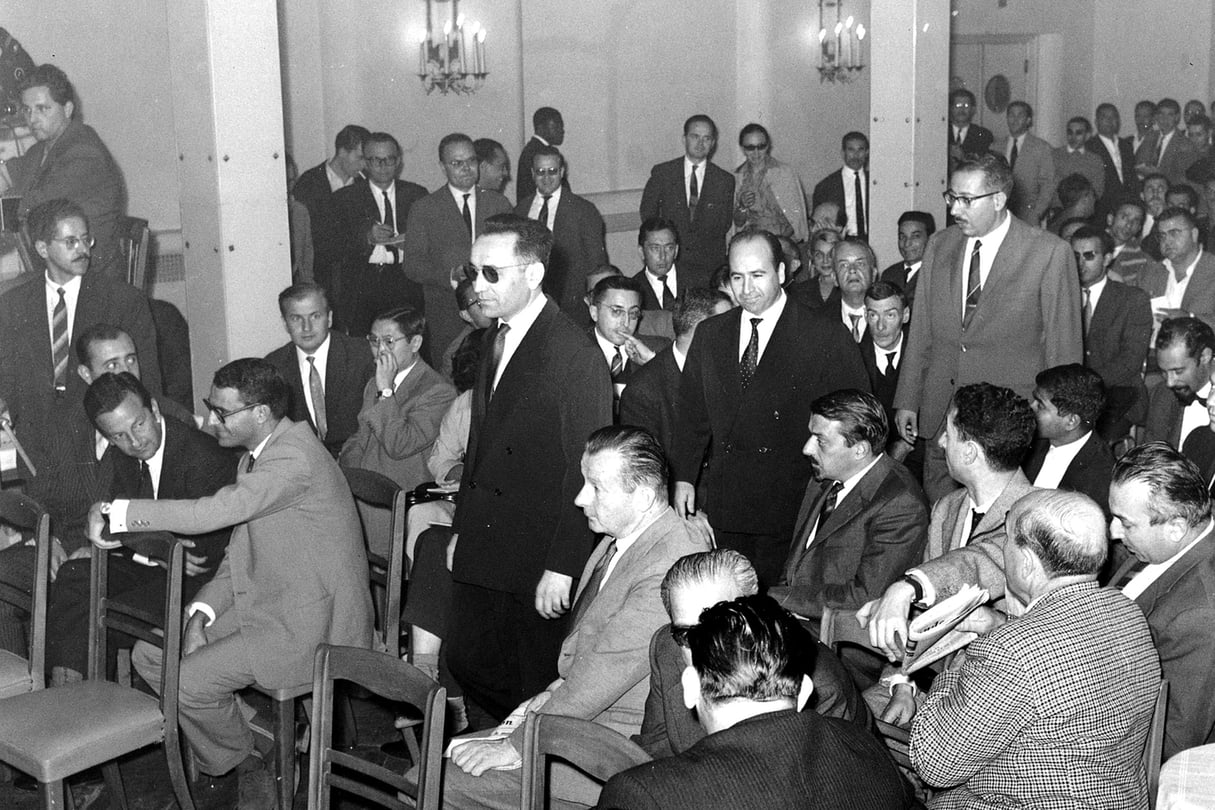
{"x":750,"y":358}
{"x":317,"y":389}
{"x":1088,"y":309}
{"x":889,"y":364}
{"x":249,"y":466}
{"x":973,"y":286}
{"x":976,"y":517}
{"x":693,"y":195}
{"x":593,"y":584}
{"x":59,"y":342}
{"x":390,"y":219}
{"x":1129,"y":574}
{"x":1157,"y":150}
{"x":499,"y":348}
{"x":617,"y":364}
{"x":957,"y":137}
{"x":858,"y":193}
{"x":668,"y":298}
{"x":543,"y":218}
{"x":468,"y":215}
{"x":146,"y":490}
{"x":1012,"y":155}
{"x":833,"y":494}
{"x":856,"y":327}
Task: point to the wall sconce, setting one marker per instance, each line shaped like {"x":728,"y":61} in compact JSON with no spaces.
{"x":445,"y":61}
{"x":840,"y":58}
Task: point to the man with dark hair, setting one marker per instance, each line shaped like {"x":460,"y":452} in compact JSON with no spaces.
{"x":746,"y":393}
{"x":1032,"y":165}
{"x":855,"y":268}
{"x":603,"y":672}
{"x":1124,"y":223}
{"x":474,"y":319}
{"x":1068,"y":453}
{"x":966,"y":140}
{"x":1184,"y":285}
{"x":887,"y":311}
{"x":441,"y":228}
{"x":294,"y":575}
{"x":1153,"y":191}
{"x":68,"y":161}
{"x":698,"y":197}
{"x":493,"y":165}
{"x":748,"y":686}
{"x":848,"y":186}
{"x":315,"y":189}
{"x":1069,"y":685}
{"x":577,"y":226}
{"x":324,"y":369}
{"x":1075,"y":157}
{"x":615,"y":312}
{"x":1166,"y":149}
{"x":659,"y":279}
{"x":914,"y":229}
{"x":1139,"y":141}
{"x":548,"y":128}
{"x":999,"y":302}
{"x":1184,"y":349}
{"x":1116,"y":154}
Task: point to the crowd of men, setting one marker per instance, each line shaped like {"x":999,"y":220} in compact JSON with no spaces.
{"x":669,"y":480}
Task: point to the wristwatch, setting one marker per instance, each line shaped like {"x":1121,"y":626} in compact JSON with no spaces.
{"x":383,"y":393}
{"x":916,"y":586}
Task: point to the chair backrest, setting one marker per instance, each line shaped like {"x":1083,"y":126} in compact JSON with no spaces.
{"x":1153,"y":751}
{"x":391,"y":678}
{"x":22,"y":512}
{"x":597,"y":750}
{"x":133,"y":237}
{"x":25,"y":249}
{"x":386,"y":575}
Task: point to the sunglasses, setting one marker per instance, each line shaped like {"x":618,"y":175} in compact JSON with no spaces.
{"x":754,"y":147}
{"x":491,"y":273}
{"x":1086,"y":255}
{"x":679,"y":634}
{"x":223,"y":415}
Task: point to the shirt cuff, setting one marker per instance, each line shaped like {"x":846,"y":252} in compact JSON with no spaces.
{"x":930,"y":593}
{"x":203,"y":608}
{"x":118,"y":516}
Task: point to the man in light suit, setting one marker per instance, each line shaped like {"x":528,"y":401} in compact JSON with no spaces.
{"x":316,"y":188}
{"x":698,"y":197}
{"x":1117,"y":158}
{"x":1166,"y":149}
{"x":1032,"y":164}
{"x":440,"y":231}
{"x":999,"y":301}
{"x":294,"y":576}
{"x":577,"y":226}
{"x":549,"y":130}
{"x":1070,"y":685}
{"x":1185,"y":282}
{"x":747,"y":393}
{"x":862,"y":523}
{"x":603,"y":669}
{"x":343,"y":366}
{"x":843,"y":185}
{"x":1075,"y":157}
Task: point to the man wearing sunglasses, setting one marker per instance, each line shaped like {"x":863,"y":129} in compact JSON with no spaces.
{"x":1001,"y":302}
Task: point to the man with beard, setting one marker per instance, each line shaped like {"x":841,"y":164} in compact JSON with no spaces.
{"x":1183,"y":351}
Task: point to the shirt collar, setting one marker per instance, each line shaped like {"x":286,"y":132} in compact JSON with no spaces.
{"x":321,"y":354}
{"x":774,"y":312}
{"x":257,"y":451}
{"x":70,"y":287}
{"x":881,"y":353}
{"x":157,"y":461}
{"x":401,"y":375}
{"x":524,"y":318}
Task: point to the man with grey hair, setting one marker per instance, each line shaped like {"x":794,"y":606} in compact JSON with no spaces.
{"x":1069,"y":686}
{"x":855,"y":269}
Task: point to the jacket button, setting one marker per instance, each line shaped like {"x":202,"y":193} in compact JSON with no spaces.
{"x":497,"y":491}
{"x":509,"y":451}
{"x":764,"y":450}
{"x":963,"y":348}
{"x":473,"y":484}
{"x":776,"y":414}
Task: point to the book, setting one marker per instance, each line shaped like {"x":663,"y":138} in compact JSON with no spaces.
{"x":933,"y":634}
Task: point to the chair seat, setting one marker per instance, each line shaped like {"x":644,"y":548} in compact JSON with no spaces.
{"x":53,"y":733}
{"x":14,"y":675}
{"x":286,"y":692}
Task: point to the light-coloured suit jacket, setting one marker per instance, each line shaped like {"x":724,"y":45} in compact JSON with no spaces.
{"x":1028,"y":319}
{"x":1199,"y":298}
{"x":1033,"y":178}
{"x":295,"y":574}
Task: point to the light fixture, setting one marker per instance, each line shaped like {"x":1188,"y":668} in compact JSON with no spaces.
{"x":445,"y":61}
{"x":840,"y":54}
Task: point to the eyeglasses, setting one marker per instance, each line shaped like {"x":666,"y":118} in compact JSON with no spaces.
{"x":379,"y":161}
{"x":546,"y":172}
{"x":73,"y":242}
{"x":469,"y":163}
{"x":754,"y":147}
{"x":223,"y":415}
{"x":679,"y":633}
{"x":386,"y":342}
{"x":951,"y":198}
{"x":491,"y":273}
{"x":1086,"y":255}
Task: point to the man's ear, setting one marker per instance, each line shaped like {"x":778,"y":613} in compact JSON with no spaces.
{"x":85,"y":374}
{"x":41,"y":248}
{"x":691,"y":688}
{"x":803,"y":694}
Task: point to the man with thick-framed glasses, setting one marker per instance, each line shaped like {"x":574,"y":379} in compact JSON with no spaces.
{"x":1001,"y":302}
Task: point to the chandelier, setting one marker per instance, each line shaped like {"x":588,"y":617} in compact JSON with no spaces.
{"x":840,"y":58}
{"x":446,"y":62}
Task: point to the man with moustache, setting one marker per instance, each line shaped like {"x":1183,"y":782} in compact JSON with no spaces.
{"x":1184,"y":349}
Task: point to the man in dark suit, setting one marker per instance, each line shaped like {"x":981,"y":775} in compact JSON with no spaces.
{"x":1145,"y":118}
{"x":998,"y":301}
{"x":321,"y":366}
{"x":1176,"y":409}
{"x":577,"y":226}
{"x":549,"y":130}
{"x":848,"y":186}
{"x":1117,"y":333}
{"x":493,"y":165}
{"x":862,"y":523}
{"x":914,"y":229}
{"x":519,"y":538}
{"x":855,"y":267}
{"x":374,"y":212}
{"x":615,"y":312}
{"x":441,"y":228}
{"x":660,"y":280}
{"x":749,"y":687}
{"x":1167,"y":150}
{"x":316,"y":187}
{"x":747,"y":393}
{"x":1117,"y":158}
{"x":887,"y":312}
{"x":698,"y":197}
{"x":966,"y":140}
{"x":1068,"y":453}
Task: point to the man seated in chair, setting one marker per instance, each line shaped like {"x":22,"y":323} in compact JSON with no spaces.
{"x":747,"y":686}
{"x":1051,"y":708}
{"x":294,"y":575}
{"x":604,"y":671}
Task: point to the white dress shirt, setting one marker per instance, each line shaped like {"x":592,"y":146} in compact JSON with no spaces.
{"x":990,"y":246}
{"x":847,"y":487}
{"x":321,"y":357}
{"x":768,"y":319}
{"x":879,"y":354}
{"x":519,"y":324}
{"x":1195,"y":415}
{"x":701,"y":168}
{"x":1111,"y":146}
{"x":71,"y":294}
{"x":1057,"y":460}
{"x":458,"y":196}
{"x":554,"y":200}
{"x":656,"y":285}
{"x":336,"y":182}
{"x":381,"y":254}
{"x":849,"y":178}
{"x":1174,"y":291}
{"x":1154,"y":571}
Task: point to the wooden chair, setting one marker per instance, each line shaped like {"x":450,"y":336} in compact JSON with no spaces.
{"x":590,"y":747}
{"x":386,"y":574}
{"x":25,"y":249}
{"x":282,"y":732}
{"x":133,"y":238}
{"x":20,"y":675}
{"x":391,"y":678}
{"x":1153,"y":751}
{"x":52,"y":734}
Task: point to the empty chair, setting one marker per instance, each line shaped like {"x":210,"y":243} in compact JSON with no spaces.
{"x":25,"y":674}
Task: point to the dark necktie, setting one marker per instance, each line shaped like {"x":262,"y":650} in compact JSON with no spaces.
{"x":499,"y":348}
{"x":833,"y":494}
{"x":668,"y":298}
{"x":1012,"y":156}
{"x":543,"y":218}
{"x":957,"y":137}
{"x":1157,"y":150}
{"x":693,"y":195}
{"x":617,"y":364}
{"x":750,"y":358}
{"x":973,"y":285}
{"x":249,"y":466}
{"x":889,"y":364}
{"x":317,"y":389}
{"x":857,"y":190}
{"x":146,"y":490}
{"x":468,"y":214}
{"x":59,"y":341}
{"x":598,"y":573}
{"x":976,"y":517}
{"x":390,"y":219}
{"x":1088,"y":309}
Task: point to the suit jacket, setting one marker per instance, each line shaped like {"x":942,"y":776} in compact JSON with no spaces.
{"x":779,"y":759}
{"x":1119,"y":335}
{"x":357,"y":209}
{"x":1163,"y":423}
{"x":1049,"y":710}
{"x":1089,"y":473}
{"x":312,"y":190}
{"x":897,"y":274}
{"x":295,"y":574}
{"x":173,"y":348}
{"x":876,"y":533}
{"x":882,"y":385}
{"x":437,"y":241}
{"x":1199,"y":447}
{"x":702,"y":242}
{"x":396,"y":433}
{"x":648,"y":400}
{"x":515,"y":511}
{"x":578,"y":248}
{"x":1033,"y":178}
{"x":347,"y":371}
{"x":1199,"y":298}
{"x":1177,"y":157}
{"x":525,"y":186}
{"x":77,"y":167}
{"x":831,"y":189}
{"x":977,"y":142}
{"x":1086,"y":163}
{"x":1032,"y":323}
{"x":757,"y":434}
{"x":1115,"y":186}
{"x":1180,"y":610}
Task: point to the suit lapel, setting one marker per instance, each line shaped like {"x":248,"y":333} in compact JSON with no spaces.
{"x":1147,"y":600}
{"x":1103,"y":315}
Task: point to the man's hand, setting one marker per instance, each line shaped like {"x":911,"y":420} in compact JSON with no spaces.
{"x":96,"y":528}
{"x":698,"y":523}
{"x":908,"y":425}
{"x":900,"y":450}
{"x":58,"y":556}
{"x":684,"y":500}
{"x":553,"y":594}
{"x":451,"y":550}
{"x":886,"y":619}
{"x":982,"y":620}
{"x":195,"y":634}
{"x":385,"y":369}
{"x":478,"y":756}
{"x":747,"y":199}
{"x":637,"y":351}
{"x":380,"y":233}
{"x":901,"y":707}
